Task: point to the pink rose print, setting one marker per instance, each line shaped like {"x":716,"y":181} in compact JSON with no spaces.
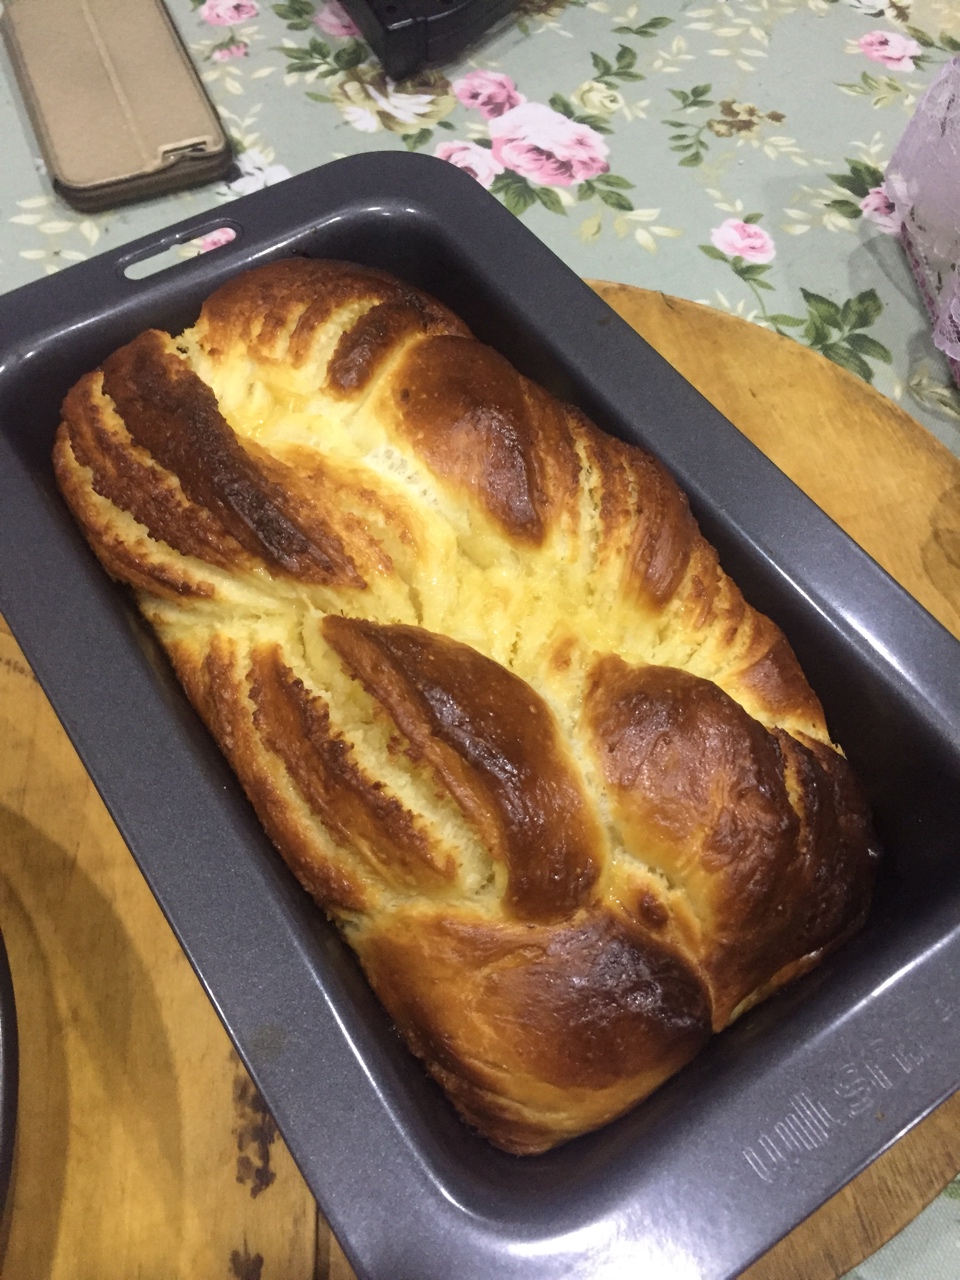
{"x":743,"y":240}
{"x":489,"y":91}
{"x":224,"y":13}
{"x":335,"y":21}
{"x":879,"y":208}
{"x":215,"y":239}
{"x":478,"y":161}
{"x":547,"y":147}
{"x":891,"y":48}
{"x":224,"y":52}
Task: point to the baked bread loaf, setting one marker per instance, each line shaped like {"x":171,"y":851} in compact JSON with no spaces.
{"x":569,"y":798}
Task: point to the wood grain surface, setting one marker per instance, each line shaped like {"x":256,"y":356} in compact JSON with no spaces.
{"x":143,"y":1148}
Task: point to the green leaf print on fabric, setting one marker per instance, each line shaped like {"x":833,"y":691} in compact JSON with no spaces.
{"x":614,"y":200}
{"x":834,"y":329}
{"x":609,"y":188}
{"x":623,"y":69}
{"x":646,"y":30}
{"x":860,"y":179}
{"x":549,"y":199}
{"x":418,"y":139}
{"x":351,"y":55}
{"x":515,"y":192}
{"x":317,"y":56}
{"x":883,"y":90}
{"x":688,"y":141}
{"x":946,"y":43}
{"x":697,"y":97}
{"x":297,"y":14}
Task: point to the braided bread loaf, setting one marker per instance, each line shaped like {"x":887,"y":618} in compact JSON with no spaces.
{"x":569,"y":798}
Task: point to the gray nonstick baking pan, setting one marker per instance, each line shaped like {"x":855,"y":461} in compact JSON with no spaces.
{"x":781,"y":1109}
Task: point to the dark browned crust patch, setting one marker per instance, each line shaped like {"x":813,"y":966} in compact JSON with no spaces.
{"x":596,"y":1004}
{"x":664,"y":532}
{"x":494,"y":743}
{"x":123,"y":559}
{"x":776,"y":676}
{"x":174,"y":415}
{"x":372,"y":338}
{"x":839,"y":847}
{"x":478,"y":425}
{"x":746,"y":822}
{"x":126,"y":476}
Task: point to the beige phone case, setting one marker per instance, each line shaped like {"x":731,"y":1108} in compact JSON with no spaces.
{"x":116,"y":103}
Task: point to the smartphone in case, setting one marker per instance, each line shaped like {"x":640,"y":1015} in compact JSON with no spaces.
{"x":116,"y":103}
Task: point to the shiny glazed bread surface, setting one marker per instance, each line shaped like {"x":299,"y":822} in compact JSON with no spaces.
{"x":568,"y":797}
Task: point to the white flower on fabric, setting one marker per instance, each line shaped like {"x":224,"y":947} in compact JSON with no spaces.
{"x":358,"y":114}
{"x":369,"y":101}
{"x":257,"y":172}
{"x":598,"y":98}
{"x":408,"y":108}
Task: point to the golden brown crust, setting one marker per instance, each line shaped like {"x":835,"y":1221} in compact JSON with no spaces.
{"x":215,"y":682}
{"x":492,"y":742}
{"x":295,"y":726}
{"x":277,"y":312}
{"x":475,"y":422}
{"x":527,"y":1019}
{"x":487,"y":686}
{"x":748,"y":821}
{"x":727,"y":833}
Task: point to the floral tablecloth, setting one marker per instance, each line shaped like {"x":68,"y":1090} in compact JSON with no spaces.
{"x":728,"y":151}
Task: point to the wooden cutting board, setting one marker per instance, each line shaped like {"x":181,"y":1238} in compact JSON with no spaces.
{"x":143,"y":1148}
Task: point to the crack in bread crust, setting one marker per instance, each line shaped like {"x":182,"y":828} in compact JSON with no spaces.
{"x":569,"y":797}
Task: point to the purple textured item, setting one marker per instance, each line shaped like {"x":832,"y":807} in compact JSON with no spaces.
{"x":923,"y":183}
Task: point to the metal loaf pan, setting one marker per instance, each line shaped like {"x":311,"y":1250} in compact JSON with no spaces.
{"x":780,"y":1110}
